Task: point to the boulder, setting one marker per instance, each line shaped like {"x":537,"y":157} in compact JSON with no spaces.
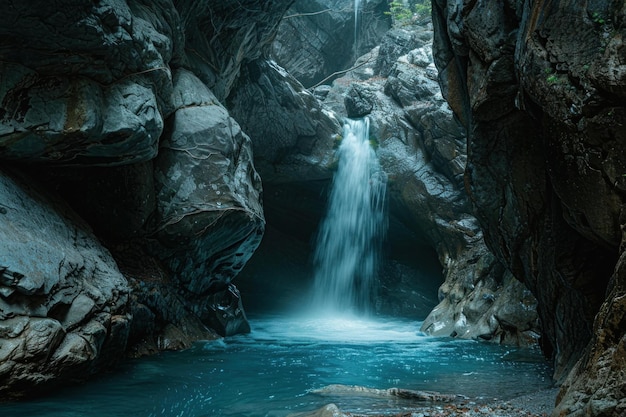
{"x":209,"y":215}
{"x":64,"y":305}
{"x":100,"y":102}
{"x":359,"y":101}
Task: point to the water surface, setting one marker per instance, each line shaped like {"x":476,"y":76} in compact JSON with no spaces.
{"x":272,"y":371}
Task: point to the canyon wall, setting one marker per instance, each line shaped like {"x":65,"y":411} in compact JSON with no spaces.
{"x":540,"y":88}
{"x":131,"y":200}
{"x":115,"y":110}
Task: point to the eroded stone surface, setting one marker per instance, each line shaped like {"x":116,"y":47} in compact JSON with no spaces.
{"x":64,"y":304}
{"x":323,"y":34}
{"x":209,"y":217}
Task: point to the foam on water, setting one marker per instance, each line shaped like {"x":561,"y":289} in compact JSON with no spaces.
{"x":337,"y":329}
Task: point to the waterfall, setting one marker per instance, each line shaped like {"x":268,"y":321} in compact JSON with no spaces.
{"x":350,"y":236}
{"x":357,"y":6}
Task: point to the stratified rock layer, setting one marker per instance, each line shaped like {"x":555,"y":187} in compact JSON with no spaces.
{"x":316,"y":38}
{"x":540,"y":87}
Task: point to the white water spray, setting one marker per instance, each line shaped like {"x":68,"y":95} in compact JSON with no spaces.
{"x":350,"y":236}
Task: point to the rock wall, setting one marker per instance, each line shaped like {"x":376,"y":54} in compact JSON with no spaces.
{"x":540,"y":87}
{"x":64,"y":305}
{"x":117,"y":107}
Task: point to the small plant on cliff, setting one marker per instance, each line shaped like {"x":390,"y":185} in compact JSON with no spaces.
{"x":598,"y":18}
{"x":552,"y":79}
{"x":405,"y":12}
{"x":400,"y":14}
{"x":423,"y":9}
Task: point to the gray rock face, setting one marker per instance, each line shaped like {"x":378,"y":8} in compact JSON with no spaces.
{"x":222,"y":36}
{"x":209,"y":218}
{"x":64,"y":305}
{"x":292,"y":134}
{"x":316,"y":38}
{"x":359,"y":101}
{"x":541,"y":87}
{"x":101,"y":101}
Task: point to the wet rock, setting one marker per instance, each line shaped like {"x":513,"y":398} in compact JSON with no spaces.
{"x":222,"y":36}
{"x":355,"y":390}
{"x":358,"y":101}
{"x":330,"y":410}
{"x":100,"y":104}
{"x":64,"y":311}
{"x":398,"y":42}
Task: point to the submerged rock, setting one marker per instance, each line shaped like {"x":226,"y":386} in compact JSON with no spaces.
{"x":330,"y":410}
{"x":355,"y":390}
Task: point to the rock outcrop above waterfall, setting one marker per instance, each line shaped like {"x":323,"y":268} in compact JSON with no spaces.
{"x":118,"y":107}
{"x":422,"y":149}
{"x":541,"y":88}
{"x":293,"y":136}
{"x":316,"y":38}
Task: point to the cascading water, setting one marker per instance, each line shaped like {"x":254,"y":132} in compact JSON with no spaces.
{"x":350,"y":236}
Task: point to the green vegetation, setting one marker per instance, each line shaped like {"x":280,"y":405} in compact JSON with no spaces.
{"x":337,"y":142}
{"x":400,"y":14}
{"x":373,"y":142}
{"x":598,"y":18}
{"x":405,"y":13}
{"x":552,"y":79}
{"x":423,"y":9}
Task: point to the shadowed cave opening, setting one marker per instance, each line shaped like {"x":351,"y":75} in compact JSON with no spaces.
{"x":279,"y":276}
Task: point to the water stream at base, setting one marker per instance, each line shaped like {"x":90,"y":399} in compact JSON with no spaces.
{"x":272,"y":372}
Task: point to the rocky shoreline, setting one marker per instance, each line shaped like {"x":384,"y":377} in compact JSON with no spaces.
{"x":536,"y":404}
